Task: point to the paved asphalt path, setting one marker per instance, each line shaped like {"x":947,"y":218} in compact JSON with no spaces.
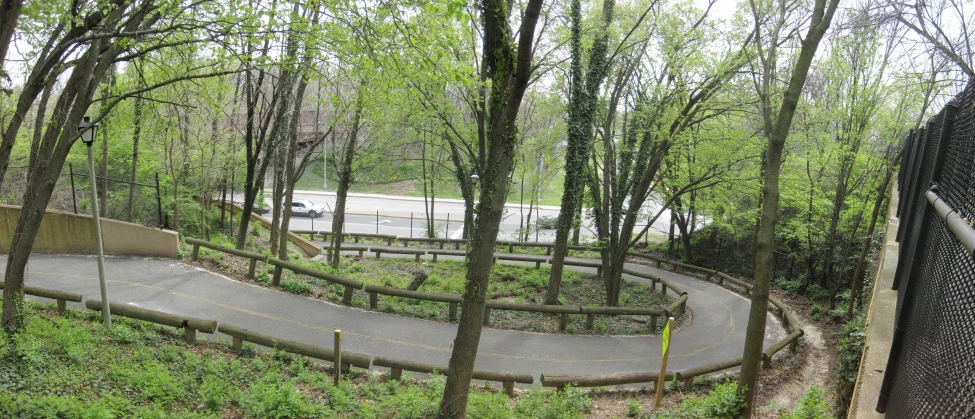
{"x":716,"y":332}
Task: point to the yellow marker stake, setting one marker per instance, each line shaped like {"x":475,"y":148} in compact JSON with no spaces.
{"x":663,"y":363}
{"x":337,"y":355}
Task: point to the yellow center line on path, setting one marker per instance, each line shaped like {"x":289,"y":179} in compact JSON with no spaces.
{"x":386,"y":340}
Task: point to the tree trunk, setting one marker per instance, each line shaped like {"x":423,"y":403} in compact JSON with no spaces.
{"x":582,"y":103}
{"x":510,"y":71}
{"x":136,"y":134}
{"x":755,"y":332}
{"x":345,"y":179}
{"x":9,"y":13}
{"x":46,"y":164}
{"x":878,"y":204}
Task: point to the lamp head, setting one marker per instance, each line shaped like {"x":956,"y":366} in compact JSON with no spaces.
{"x":475,"y":176}
{"x":87,"y":130}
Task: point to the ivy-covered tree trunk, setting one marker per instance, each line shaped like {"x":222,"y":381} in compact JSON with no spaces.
{"x":583,"y":93}
{"x":777,"y":130}
{"x":509,"y":70}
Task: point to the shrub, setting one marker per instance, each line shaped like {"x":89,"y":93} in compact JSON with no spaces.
{"x":816,"y":292}
{"x":723,"y":402}
{"x":633,"y":408}
{"x":568,"y":404}
{"x":849,"y":349}
{"x":296,"y":286}
{"x":812,"y":405}
{"x":815,"y":310}
{"x":273,"y":397}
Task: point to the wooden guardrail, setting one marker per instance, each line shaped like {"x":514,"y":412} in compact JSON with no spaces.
{"x":241,"y":335}
{"x":349,"y":284}
{"x":252,"y":256}
{"x":355,"y":236}
{"x":791,"y":323}
{"x":454,"y":300}
{"x":397,"y":366}
{"x":189,"y":324}
{"x":560,"y":381}
{"x":61,"y":297}
{"x":435,"y":240}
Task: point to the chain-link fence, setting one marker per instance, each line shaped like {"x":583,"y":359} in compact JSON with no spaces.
{"x":931,"y":369}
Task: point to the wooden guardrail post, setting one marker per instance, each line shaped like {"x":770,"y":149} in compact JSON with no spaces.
{"x":189,"y":334}
{"x":238,"y":344}
{"x":590,"y":319}
{"x":707,"y":276}
{"x":252,"y":269}
{"x":487,"y":315}
{"x":377,"y":253}
{"x":663,"y":287}
{"x":395,"y":373}
{"x":563,"y":321}
{"x":453,"y":309}
{"x":62,"y":306}
{"x":389,"y":241}
{"x":653,"y":323}
{"x":347,"y":296}
{"x":337,"y":354}
{"x":196,"y":252}
{"x":509,"y":388}
{"x":373,"y":300}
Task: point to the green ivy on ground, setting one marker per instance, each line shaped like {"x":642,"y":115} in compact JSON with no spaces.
{"x":72,"y":367}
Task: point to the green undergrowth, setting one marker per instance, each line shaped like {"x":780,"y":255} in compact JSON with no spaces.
{"x":72,"y":367}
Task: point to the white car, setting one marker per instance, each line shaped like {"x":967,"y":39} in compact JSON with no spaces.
{"x":306,"y":207}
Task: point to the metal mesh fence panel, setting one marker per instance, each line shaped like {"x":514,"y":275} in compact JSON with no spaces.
{"x":931,"y":370}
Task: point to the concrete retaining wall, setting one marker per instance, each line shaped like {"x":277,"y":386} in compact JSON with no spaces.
{"x":63,"y":232}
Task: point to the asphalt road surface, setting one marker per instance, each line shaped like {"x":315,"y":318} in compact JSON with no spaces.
{"x":716,"y":332}
{"x":406,"y":217}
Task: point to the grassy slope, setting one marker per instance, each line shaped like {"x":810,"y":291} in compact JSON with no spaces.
{"x":72,"y":367}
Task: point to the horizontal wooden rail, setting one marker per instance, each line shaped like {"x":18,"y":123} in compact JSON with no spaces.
{"x":252,"y":256}
{"x":189,"y":324}
{"x":416,"y":295}
{"x":790,"y":339}
{"x":687,"y":376}
{"x":224,"y":249}
{"x":628,"y":311}
{"x":315,"y":273}
{"x":534,"y":308}
{"x":61,"y":297}
{"x":397,"y":366}
{"x":561,"y":381}
{"x":241,"y":335}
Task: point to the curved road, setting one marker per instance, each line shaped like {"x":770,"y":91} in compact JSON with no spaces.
{"x":716,"y":332}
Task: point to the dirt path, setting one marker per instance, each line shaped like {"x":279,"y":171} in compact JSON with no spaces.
{"x":815,"y":369}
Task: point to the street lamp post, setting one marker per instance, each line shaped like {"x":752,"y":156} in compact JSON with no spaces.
{"x":88,"y":131}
